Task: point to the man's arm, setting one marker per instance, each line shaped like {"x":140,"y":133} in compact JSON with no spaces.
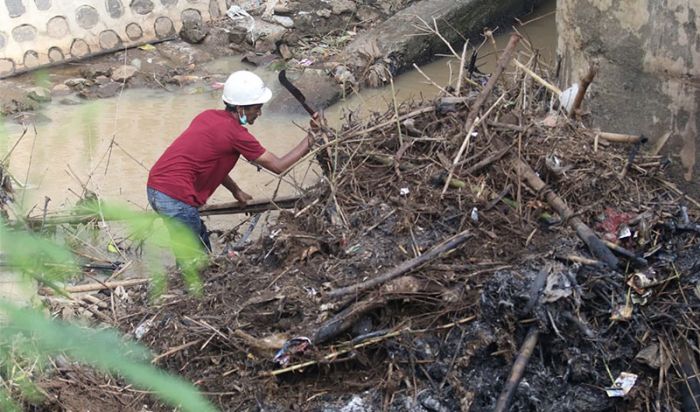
{"x":277,"y":165}
{"x":236,"y":191}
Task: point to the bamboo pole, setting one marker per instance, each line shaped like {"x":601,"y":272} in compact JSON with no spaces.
{"x":39,"y":221}
{"x":621,"y":138}
{"x":254,"y":206}
{"x":583,"y":86}
{"x":516,"y":373}
{"x":229,"y":208}
{"x":554,"y":89}
{"x":91,"y":287}
{"x":595,"y":245}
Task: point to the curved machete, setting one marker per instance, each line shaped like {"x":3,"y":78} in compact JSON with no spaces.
{"x":295,"y":92}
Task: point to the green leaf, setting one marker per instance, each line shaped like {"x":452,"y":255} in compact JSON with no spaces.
{"x":174,"y":235}
{"x":38,"y":257}
{"x":6,"y":403}
{"x":105,"y":350}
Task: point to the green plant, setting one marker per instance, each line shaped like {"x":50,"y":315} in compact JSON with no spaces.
{"x":173,"y":236}
{"x":102,"y":349}
{"x":28,"y":338}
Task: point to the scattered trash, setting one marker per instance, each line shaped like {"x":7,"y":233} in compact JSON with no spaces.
{"x":474,"y":215}
{"x":243,"y":240}
{"x":623,"y":384}
{"x":147,"y":47}
{"x":306,"y":62}
{"x":554,"y":164}
{"x":291,"y":347}
{"x":404,"y":191}
{"x":685,"y":219}
{"x":624,"y":231}
{"x":640,"y":281}
{"x":622,"y":312}
{"x":557,"y":287}
{"x":610,"y":223}
{"x":353,"y":249}
{"x":143,"y":329}
{"x":264,"y":346}
{"x":237,"y":13}
{"x":567,"y":97}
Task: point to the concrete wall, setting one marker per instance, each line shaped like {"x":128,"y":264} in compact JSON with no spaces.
{"x":35,"y":33}
{"x":649,"y":78}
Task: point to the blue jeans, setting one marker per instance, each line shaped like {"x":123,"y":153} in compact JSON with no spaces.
{"x":181,"y":211}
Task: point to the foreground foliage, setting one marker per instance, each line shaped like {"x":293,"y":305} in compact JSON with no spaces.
{"x":29,"y":339}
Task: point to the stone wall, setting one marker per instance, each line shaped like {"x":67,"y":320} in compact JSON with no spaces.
{"x":34,"y":33}
{"x":649,"y":77}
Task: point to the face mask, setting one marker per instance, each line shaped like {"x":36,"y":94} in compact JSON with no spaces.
{"x":242,"y":119}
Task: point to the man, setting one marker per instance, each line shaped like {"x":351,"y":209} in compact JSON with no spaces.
{"x":200,"y":159}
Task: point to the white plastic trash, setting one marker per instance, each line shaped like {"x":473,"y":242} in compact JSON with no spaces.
{"x":567,"y":97}
{"x":143,"y":329}
{"x":475,"y":215}
{"x":623,"y":384}
{"x":237,"y":13}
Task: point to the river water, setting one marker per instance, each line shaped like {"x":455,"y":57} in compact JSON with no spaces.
{"x":108,"y":145}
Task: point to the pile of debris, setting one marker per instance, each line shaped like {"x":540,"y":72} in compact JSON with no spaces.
{"x":436,"y":256}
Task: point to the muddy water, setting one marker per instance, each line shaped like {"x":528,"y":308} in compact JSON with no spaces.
{"x":539,"y":30}
{"x":108,"y":145}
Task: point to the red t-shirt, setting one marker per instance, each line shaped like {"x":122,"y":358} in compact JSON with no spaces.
{"x":196,"y":163}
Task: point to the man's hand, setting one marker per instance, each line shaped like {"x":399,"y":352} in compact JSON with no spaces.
{"x":241,"y":196}
{"x":236,"y":191}
{"x":317,"y":121}
{"x":279,"y":165}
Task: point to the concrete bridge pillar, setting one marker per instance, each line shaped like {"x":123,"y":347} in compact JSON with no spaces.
{"x":649,"y":77}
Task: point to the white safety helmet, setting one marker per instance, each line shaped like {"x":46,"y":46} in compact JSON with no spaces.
{"x":243,"y":88}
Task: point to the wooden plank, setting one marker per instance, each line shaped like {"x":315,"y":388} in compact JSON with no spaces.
{"x":229,"y":208}
{"x":254,"y":206}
